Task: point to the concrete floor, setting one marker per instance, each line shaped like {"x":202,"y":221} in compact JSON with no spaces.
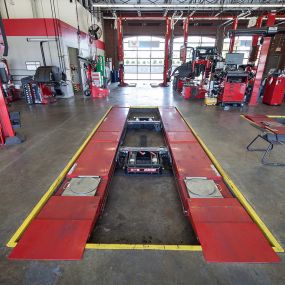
{"x":56,"y":131}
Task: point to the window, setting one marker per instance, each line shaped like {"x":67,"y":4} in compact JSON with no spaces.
{"x":242,"y":45}
{"x":143,"y":58}
{"x":193,"y":41}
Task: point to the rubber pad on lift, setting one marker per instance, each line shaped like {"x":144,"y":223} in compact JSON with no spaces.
{"x":234,"y":242}
{"x":53,"y":240}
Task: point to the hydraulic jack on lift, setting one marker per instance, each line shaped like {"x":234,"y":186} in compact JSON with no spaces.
{"x":150,"y":142}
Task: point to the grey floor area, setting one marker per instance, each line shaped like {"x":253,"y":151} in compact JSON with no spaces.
{"x":53,"y":134}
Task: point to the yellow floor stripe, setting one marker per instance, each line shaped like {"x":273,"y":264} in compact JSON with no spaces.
{"x":273,"y":241}
{"x":143,"y":247}
{"x":13,"y":241}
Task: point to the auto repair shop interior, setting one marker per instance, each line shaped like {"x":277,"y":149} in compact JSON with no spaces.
{"x":142,"y":142}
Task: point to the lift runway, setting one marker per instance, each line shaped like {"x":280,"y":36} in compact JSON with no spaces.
{"x":54,"y":230}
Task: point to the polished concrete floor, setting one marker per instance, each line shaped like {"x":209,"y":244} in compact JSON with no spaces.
{"x":53,"y":134}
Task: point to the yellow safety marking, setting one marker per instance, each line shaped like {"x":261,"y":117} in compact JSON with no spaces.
{"x":143,"y":247}
{"x":273,"y":241}
{"x":13,"y":241}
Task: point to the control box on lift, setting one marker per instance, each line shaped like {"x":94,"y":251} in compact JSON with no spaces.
{"x":274,"y":89}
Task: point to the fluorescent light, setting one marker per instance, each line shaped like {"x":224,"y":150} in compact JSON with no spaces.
{"x":41,"y":39}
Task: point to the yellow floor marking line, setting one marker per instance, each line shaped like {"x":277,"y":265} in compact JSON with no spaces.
{"x":13,"y":241}
{"x":143,"y":247}
{"x":273,"y":241}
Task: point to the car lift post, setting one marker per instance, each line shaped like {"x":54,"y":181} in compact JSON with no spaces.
{"x":120,"y":52}
{"x":166,"y":52}
{"x":7,"y":134}
{"x":232,"y":39}
{"x":255,"y":46}
{"x":262,"y":62}
{"x":185,"y":29}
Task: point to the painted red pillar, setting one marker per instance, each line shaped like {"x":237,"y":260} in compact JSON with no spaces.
{"x":120,"y":52}
{"x":166,"y":53}
{"x":261,"y":62}
{"x":232,"y":39}
{"x":254,"y":45}
{"x":6,"y":128}
{"x":185,"y":29}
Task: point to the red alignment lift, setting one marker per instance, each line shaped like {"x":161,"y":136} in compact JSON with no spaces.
{"x":225,"y":230}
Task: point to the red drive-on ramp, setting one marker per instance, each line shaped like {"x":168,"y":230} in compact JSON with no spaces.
{"x":225,"y":230}
{"x":62,"y":227}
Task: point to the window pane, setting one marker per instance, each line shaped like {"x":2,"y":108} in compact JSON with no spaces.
{"x":130,"y":54}
{"x":143,"y":69}
{"x":156,"y":69}
{"x":130,"y":61}
{"x":131,"y":69}
{"x":144,"y":54}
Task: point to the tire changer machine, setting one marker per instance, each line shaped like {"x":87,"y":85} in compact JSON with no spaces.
{"x":192,"y":77}
{"x":230,"y":84}
{"x":44,"y":86}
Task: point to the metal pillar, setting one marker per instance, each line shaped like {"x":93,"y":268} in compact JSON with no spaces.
{"x":5,"y":122}
{"x":166,"y":53}
{"x":255,"y":46}
{"x":185,"y":29}
{"x":261,"y":62}
{"x":232,"y":39}
{"x":120,"y":52}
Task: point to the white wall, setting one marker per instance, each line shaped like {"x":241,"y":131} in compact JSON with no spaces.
{"x":65,"y":11}
{"x":21,"y":51}
{"x":29,"y":51}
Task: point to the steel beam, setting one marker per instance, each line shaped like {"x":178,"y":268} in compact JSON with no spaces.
{"x":232,"y":38}
{"x":120,"y":52}
{"x":185,"y":29}
{"x":166,"y":53}
{"x":255,"y":46}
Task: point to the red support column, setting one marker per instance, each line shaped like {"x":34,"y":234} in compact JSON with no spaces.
{"x":166,"y":53}
{"x":120,"y":52}
{"x":232,"y":39}
{"x":185,"y":29}
{"x":261,"y":62}
{"x":5,"y":124}
{"x":254,"y":45}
